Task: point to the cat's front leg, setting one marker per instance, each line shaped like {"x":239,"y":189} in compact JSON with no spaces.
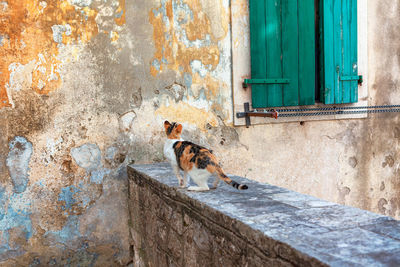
{"x":178,"y":175}
{"x":201,"y":182}
{"x":184,"y":181}
{"x":215,"y":184}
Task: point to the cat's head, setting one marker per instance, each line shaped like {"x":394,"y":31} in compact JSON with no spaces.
{"x":173,"y":130}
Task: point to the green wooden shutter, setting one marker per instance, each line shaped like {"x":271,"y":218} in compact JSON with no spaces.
{"x":339,"y":70}
{"x":282,"y":37}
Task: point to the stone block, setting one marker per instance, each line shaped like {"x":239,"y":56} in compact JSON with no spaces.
{"x":177,"y":223}
{"x":175,"y":247}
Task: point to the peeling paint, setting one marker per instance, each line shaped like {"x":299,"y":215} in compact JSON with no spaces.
{"x":389,"y":161}
{"x":44,"y":25}
{"x":3,"y":6}
{"x":126,"y":121}
{"x":70,"y":229}
{"x":114,"y":36}
{"x":188,"y":39}
{"x":188,"y":79}
{"x":67,"y":197}
{"x":353,"y":162}
{"x":111,"y":153}
{"x":15,"y":222}
{"x":18,"y":162}
{"x":29,"y":22}
{"x":97,"y":176}
{"x":197,"y":66}
{"x":59,"y":30}
{"x":81,"y":3}
{"x":181,"y":36}
{"x":87,"y":156}
{"x":382,"y":205}
{"x":185,"y":113}
{"x":120,"y":17}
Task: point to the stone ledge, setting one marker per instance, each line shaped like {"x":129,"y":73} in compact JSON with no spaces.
{"x":264,"y":224}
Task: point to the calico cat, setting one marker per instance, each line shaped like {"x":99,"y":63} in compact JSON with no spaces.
{"x":197,"y":161}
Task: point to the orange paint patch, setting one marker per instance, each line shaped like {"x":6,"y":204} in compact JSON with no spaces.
{"x":183,"y":112}
{"x":171,"y":51}
{"x":32,"y":30}
{"x":199,"y":27}
{"x":183,"y":33}
{"x":114,"y":36}
{"x":241,"y":8}
{"x":213,"y":85}
{"x":121,"y":11}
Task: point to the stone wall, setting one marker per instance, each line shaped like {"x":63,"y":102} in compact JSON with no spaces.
{"x":262,"y":226}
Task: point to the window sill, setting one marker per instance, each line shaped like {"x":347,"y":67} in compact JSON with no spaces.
{"x":261,"y":120}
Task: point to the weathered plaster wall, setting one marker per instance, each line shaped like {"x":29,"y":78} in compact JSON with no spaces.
{"x":62,"y":151}
{"x":379,"y":151}
{"x":86,"y":84}
{"x":352,"y":162}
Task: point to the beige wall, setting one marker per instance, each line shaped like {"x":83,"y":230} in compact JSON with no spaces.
{"x":86,"y":85}
{"x":353,"y":162}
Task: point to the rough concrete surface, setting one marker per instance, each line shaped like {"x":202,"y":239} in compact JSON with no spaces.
{"x":263,"y":226}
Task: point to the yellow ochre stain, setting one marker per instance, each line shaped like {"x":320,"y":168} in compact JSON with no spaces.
{"x":183,"y":112}
{"x":212,"y":84}
{"x":241,"y":8}
{"x":114,"y":36}
{"x":172,"y":52}
{"x":27,"y":28}
{"x":120,"y":18}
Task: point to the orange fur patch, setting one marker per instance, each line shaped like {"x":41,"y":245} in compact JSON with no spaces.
{"x":186,"y":158}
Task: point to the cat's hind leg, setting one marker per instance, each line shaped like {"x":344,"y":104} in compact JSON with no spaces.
{"x":215,"y":184}
{"x":200,"y":178}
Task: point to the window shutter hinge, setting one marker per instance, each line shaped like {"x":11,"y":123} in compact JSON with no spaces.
{"x":358,"y":78}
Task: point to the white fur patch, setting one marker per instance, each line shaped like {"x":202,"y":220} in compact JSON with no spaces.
{"x":169,"y":152}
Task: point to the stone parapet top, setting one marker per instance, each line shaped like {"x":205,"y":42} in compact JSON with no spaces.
{"x":324,"y":233}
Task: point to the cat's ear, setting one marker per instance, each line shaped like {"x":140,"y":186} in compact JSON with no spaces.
{"x":166,"y":124}
{"x":179,"y":129}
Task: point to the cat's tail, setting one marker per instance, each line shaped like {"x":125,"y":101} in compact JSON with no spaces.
{"x":228,"y":180}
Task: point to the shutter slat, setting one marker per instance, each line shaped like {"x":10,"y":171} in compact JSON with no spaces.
{"x":290,"y":35}
{"x":354,"y":50}
{"x":347,"y":64}
{"x":337,"y":49}
{"x":339,"y":44}
{"x":328,"y":71}
{"x":307,"y":55}
{"x":258,"y":51}
{"x":274,"y":50}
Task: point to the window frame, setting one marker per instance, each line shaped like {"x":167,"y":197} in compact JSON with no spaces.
{"x":241,"y":68}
